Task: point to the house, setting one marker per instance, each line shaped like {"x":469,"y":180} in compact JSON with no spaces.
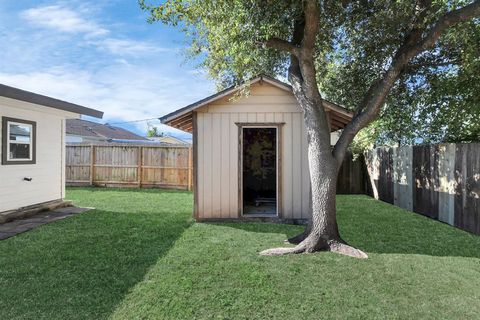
{"x":171,"y":140}
{"x":83,"y":131}
{"x":32,"y":137}
{"x":250,"y":152}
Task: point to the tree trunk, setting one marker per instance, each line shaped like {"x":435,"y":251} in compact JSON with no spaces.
{"x":322,"y":231}
{"x":323,"y":180}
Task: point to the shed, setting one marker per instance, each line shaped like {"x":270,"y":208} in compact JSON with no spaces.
{"x":250,"y":152}
{"x":32,"y":152}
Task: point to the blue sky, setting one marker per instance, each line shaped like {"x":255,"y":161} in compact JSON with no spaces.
{"x":101,"y":54}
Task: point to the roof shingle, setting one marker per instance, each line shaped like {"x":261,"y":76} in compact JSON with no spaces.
{"x":86,"y":128}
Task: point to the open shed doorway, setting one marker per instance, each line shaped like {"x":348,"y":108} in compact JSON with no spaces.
{"x":259,"y":171}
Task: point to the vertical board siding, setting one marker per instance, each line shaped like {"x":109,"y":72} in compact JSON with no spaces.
{"x":207,"y":165}
{"x":225,"y":165}
{"x":233,"y":169}
{"x":218,"y":153}
{"x":439,"y":181}
{"x":129,"y":166}
{"x":219,"y":184}
{"x":287,"y":174}
{"x":200,"y":165}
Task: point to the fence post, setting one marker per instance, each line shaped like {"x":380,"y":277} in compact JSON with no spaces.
{"x":92,"y":164}
{"x":190,"y":169}
{"x":140,"y":166}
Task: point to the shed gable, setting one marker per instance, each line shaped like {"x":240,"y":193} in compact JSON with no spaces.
{"x":268,"y":94}
{"x":262,"y":97}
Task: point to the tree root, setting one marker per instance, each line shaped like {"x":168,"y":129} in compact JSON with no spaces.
{"x":347,"y":250}
{"x":283,"y":251}
{"x":336,"y":246}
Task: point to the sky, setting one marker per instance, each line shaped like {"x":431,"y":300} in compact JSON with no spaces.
{"x":100,"y":54}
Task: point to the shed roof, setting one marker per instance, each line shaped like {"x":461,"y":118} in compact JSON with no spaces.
{"x":27,"y":96}
{"x":183,"y":118}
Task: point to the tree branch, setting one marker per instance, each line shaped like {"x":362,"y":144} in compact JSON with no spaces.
{"x":294,"y":73}
{"x":312,"y":15}
{"x":282,"y":45}
{"x":449,"y":19}
{"x":413,"y":45}
{"x":431,"y":64}
{"x":307,"y":66}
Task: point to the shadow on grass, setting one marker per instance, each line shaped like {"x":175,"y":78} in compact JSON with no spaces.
{"x":97,"y":189}
{"x":83,"y":267}
{"x":378,"y":227}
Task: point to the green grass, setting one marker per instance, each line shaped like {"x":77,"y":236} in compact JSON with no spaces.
{"x":140,"y":256}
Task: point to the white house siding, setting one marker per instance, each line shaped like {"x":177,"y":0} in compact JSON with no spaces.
{"x":48,"y":173}
{"x":217,"y":145}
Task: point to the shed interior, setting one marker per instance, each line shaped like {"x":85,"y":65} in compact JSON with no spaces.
{"x":259,"y":171}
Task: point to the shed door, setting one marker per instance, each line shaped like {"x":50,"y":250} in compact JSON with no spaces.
{"x":259,"y":171}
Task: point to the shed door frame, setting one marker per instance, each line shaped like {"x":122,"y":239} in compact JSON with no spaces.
{"x":278,"y":126}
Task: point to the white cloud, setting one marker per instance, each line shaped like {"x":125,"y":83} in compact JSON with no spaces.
{"x":124,"y":93}
{"x":64,"y":20}
{"x":130,"y":47}
{"x":105,"y":68}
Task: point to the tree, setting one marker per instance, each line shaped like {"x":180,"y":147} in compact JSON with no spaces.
{"x":380,"y":41}
{"x":437,"y":102}
{"x":153,"y":132}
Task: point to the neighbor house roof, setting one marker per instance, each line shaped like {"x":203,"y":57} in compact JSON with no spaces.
{"x":169,"y":140}
{"x":27,"y":96}
{"x":183,"y":118}
{"x":91,"y":129}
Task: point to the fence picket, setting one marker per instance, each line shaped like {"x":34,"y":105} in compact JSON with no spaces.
{"x":129,"y":166}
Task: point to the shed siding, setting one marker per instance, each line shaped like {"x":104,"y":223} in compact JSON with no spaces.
{"x":218,"y":156}
{"x":48,"y":173}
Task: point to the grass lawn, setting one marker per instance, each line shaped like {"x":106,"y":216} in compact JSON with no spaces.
{"x":139,"y":255}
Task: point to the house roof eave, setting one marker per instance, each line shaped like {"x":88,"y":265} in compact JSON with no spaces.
{"x":30,"y":97}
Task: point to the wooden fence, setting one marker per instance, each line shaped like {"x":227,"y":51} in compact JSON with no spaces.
{"x":439,"y":181}
{"x":129,"y":166}
{"x":353,"y":176}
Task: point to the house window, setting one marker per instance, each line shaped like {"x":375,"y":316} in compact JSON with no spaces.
{"x":18,"y":141}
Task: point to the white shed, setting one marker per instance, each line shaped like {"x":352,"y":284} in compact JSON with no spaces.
{"x":32,"y":152}
{"x":250,"y":152}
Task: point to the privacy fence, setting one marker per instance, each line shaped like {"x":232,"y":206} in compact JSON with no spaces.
{"x":353,"y":176}
{"x":439,"y":181}
{"x":163,"y":167}
{"x":117,"y":165}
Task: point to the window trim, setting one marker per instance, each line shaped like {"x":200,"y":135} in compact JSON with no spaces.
{"x":6,"y":140}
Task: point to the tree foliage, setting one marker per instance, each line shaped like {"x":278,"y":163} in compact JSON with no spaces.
{"x":435,"y":99}
{"x":153,"y":132}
